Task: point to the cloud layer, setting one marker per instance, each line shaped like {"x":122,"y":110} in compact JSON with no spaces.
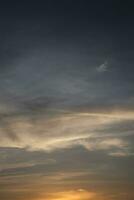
{"x":93,"y":131}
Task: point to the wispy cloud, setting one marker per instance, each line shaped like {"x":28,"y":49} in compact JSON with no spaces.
{"x":65,"y":130}
{"x":103,"y":67}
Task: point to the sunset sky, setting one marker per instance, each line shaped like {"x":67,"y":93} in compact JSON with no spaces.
{"x":67,"y":100}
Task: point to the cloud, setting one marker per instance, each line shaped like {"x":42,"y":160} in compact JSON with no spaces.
{"x":66,"y":130}
{"x":105,"y":144}
{"x":103,"y":67}
{"x":120,"y":153}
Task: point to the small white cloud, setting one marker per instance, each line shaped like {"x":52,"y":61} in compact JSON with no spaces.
{"x":81,"y":190}
{"x":103,"y":67}
{"x":121,"y":153}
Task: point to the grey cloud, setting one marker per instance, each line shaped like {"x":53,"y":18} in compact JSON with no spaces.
{"x":103,"y":67}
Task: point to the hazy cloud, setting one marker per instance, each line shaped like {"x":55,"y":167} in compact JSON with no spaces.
{"x":66,"y":130}
{"x":103,"y":67}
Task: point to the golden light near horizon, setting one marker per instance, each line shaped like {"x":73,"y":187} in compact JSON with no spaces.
{"x":79,"y":194}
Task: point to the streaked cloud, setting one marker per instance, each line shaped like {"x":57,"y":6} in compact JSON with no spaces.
{"x":66,"y":130}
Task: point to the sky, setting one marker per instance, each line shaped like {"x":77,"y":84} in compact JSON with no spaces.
{"x":66,"y":100}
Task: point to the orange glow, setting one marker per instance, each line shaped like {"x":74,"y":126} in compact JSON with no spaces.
{"x":72,"y":195}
